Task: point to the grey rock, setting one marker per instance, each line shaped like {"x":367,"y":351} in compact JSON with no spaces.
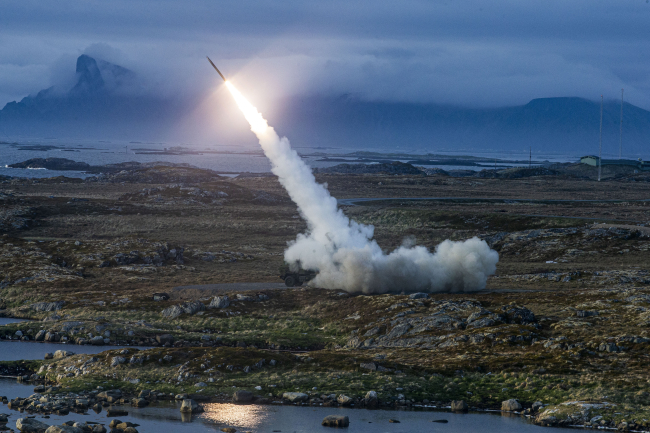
{"x":139,"y":402}
{"x":62,"y":354}
{"x":64,"y":429}
{"x":117,"y":360}
{"x":190,"y":406}
{"x":47,"y":306}
{"x":40,"y":335}
{"x":373,"y":331}
{"x":30,"y":425}
{"x":219,"y":302}
{"x":398,"y":331}
{"x":582,"y":313}
{"x":520,"y":315}
{"x":344,"y":400}
{"x":242,"y":396}
{"x":186,"y":307}
{"x":419,"y":295}
{"x":369,"y":366}
{"x":114,"y":393}
{"x":97,"y":341}
{"x":241,"y":297}
{"x":336,"y":421}
{"x":510,"y":405}
{"x":200,"y":385}
{"x":459,"y":406}
{"x":608,"y":347}
{"x":160,"y":297}
{"x":537,"y":406}
{"x":295,"y":397}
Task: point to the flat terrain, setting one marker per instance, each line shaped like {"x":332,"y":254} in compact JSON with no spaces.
{"x":565,"y":318}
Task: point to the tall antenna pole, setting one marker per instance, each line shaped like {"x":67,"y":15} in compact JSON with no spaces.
{"x":600,"y":140}
{"x":620,"y":140}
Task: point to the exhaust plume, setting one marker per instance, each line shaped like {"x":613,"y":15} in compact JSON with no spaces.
{"x":343,"y":251}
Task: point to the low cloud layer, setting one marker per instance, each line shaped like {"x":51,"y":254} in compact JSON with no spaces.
{"x":472,"y":53}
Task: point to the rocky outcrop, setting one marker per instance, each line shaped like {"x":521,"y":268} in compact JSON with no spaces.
{"x":47,"y":306}
{"x":186,"y":307}
{"x":219,"y":302}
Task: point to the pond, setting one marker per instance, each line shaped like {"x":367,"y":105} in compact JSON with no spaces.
{"x":166,"y":418}
{"x":7,"y":320}
{"x":14,"y":350}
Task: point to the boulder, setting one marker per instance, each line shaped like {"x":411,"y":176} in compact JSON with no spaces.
{"x":371,"y":400}
{"x":139,"y":402}
{"x":219,"y":302}
{"x":165,"y":338}
{"x":62,"y":354}
{"x":336,"y":421}
{"x":63,"y":429}
{"x":117,"y":360}
{"x":48,"y":355}
{"x":190,"y":406}
{"x":369,"y":366}
{"x":418,"y":295}
{"x":98,"y":428}
{"x":510,"y":405}
{"x":30,"y":425}
{"x":537,"y":406}
{"x":40,"y":335}
{"x":344,"y":400}
{"x":295,"y":397}
{"x":97,"y":341}
{"x":459,"y":406}
{"x":160,"y":297}
{"x":242,"y":396}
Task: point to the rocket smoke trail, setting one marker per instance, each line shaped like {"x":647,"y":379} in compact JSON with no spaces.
{"x":343,"y":250}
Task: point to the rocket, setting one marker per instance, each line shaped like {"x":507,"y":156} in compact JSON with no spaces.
{"x":216,"y":69}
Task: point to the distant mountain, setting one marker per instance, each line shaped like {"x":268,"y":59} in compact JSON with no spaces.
{"x":105,"y":103}
{"x":567,"y":125}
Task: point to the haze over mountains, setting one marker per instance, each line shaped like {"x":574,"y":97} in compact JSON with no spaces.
{"x":107,"y":102}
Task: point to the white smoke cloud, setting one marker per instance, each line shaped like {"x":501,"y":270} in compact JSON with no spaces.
{"x":343,"y":251}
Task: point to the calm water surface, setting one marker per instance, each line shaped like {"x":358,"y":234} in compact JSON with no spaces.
{"x":17,"y":350}
{"x":166,"y":418}
{"x":7,"y":320}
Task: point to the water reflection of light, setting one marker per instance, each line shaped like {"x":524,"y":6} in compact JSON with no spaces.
{"x":249,"y":416}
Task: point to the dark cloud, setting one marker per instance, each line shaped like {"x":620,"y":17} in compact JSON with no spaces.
{"x":483,"y":53}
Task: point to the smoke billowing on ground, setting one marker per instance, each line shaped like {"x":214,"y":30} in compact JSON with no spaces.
{"x":343,"y":251}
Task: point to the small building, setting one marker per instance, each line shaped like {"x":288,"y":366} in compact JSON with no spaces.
{"x":634,"y":163}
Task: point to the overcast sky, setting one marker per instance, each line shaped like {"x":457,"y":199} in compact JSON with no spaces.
{"x":472,"y":53}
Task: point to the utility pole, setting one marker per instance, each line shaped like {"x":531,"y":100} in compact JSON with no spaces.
{"x":620,"y":140}
{"x":600,"y":140}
